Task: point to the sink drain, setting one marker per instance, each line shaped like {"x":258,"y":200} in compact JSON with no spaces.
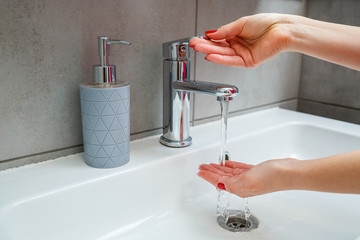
{"x":237,"y":223}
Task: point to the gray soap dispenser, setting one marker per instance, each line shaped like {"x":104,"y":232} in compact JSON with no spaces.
{"x":105,"y":112}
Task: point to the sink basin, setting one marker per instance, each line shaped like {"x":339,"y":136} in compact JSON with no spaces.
{"x":158,"y":195}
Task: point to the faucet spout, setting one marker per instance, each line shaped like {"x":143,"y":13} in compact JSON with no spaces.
{"x":224,"y":92}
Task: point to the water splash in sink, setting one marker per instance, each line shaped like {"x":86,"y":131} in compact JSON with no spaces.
{"x":235,"y":222}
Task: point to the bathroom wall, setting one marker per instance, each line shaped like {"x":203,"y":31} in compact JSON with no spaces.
{"x":49,"y":47}
{"x":327,"y":89}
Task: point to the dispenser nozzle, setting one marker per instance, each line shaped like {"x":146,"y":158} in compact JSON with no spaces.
{"x":104,"y":48}
{"x":104,"y":73}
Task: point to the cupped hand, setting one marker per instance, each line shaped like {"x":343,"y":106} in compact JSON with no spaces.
{"x":247,"y":180}
{"x":247,"y":42}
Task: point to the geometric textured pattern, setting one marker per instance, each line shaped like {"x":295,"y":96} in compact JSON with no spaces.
{"x":106,"y":125}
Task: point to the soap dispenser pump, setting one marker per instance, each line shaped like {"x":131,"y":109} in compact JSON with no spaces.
{"x":105,"y":113}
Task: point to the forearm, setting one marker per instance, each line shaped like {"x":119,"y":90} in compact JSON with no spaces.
{"x":328,"y":41}
{"x":338,"y":173}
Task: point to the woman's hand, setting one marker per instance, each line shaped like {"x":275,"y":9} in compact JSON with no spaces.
{"x":251,"y":40}
{"x":248,"y":180}
{"x":338,"y":173}
{"x":246,"y":42}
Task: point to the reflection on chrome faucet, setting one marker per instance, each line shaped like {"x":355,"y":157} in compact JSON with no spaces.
{"x":176,"y":93}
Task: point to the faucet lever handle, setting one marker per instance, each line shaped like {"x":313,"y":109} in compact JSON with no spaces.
{"x":177,"y":50}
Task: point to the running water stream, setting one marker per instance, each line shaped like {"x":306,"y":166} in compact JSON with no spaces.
{"x":223,"y":210}
{"x":223,"y":196}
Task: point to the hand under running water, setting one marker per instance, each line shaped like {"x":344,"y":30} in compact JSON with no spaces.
{"x":339,"y":173}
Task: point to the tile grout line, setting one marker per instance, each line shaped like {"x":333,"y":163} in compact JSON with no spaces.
{"x":330,"y":104}
{"x":247,"y":109}
{"x":146,"y":131}
{"x":40,"y":153}
{"x":192,"y":122}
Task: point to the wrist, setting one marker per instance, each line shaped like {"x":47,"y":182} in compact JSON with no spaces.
{"x":289,"y":174}
{"x":288,"y":30}
{"x":294,"y":30}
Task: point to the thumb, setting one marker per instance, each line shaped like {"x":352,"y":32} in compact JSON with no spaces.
{"x":229,"y":30}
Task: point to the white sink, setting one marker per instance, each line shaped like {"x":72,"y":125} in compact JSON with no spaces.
{"x":158,"y":195}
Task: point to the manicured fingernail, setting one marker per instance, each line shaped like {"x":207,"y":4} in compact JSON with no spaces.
{"x":207,"y":59}
{"x":210,"y":31}
{"x":190,"y":45}
{"x":221,"y":186}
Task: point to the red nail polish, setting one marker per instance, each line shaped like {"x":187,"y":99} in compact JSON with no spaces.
{"x":210,"y":31}
{"x":221,"y":186}
{"x":207,"y":59}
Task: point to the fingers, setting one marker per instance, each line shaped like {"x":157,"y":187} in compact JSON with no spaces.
{"x":217,"y":180}
{"x":228,"y":30}
{"x":240,"y":55}
{"x":195,"y":41}
{"x":215,"y":169}
{"x":229,"y":166}
{"x":210,"y":168}
{"x":209,"y":176}
{"x":214,"y":49}
{"x":226,"y":177}
{"x":226,"y":183}
{"x":230,"y":169}
{"x":233,"y":61}
{"x":227,"y":170}
{"x":232,"y":164}
{"x":213,"y":173}
{"x":211,"y":47}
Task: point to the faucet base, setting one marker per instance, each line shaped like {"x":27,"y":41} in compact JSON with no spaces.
{"x":176,"y":144}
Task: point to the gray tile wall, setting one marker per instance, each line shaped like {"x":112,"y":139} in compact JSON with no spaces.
{"x":48,"y":47}
{"x":327,"y":89}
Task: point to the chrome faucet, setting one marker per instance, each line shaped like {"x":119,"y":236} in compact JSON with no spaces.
{"x":176,"y":93}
